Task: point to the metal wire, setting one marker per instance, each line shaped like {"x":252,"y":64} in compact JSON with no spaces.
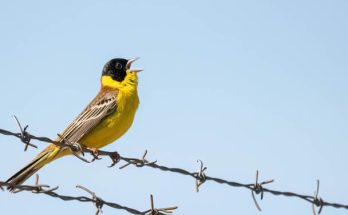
{"x":199,"y":176}
{"x":97,"y":201}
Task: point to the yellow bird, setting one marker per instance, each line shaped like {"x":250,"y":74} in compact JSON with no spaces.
{"x":107,"y":117}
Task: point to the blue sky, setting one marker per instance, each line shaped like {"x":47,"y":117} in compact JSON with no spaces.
{"x":241,"y":85}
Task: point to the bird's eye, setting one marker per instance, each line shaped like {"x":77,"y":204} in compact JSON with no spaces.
{"x":118,"y":66}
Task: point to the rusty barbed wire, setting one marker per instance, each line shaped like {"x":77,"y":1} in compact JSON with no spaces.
{"x":38,"y":188}
{"x":199,"y":176}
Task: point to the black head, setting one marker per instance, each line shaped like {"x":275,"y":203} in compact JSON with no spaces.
{"x":116,"y":68}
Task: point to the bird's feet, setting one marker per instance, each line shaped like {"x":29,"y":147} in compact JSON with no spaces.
{"x":115,"y":158}
{"x":94,"y":153}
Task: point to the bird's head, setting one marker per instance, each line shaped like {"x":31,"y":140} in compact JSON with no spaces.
{"x":118,"y":68}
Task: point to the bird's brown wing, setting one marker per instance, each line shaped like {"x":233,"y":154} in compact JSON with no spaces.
{"x":101,"y":106}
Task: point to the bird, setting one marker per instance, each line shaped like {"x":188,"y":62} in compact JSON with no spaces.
{"x":105,"y":119}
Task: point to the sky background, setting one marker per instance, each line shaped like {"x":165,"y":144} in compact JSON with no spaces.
{"x":242,"y":85}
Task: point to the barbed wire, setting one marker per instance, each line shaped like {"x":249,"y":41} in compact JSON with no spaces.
{"x":38,"y":188}
{"x":200,"y":177}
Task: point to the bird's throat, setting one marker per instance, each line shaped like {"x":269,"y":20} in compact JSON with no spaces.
{"x":130,"y":82}
{"x":108,"y":82}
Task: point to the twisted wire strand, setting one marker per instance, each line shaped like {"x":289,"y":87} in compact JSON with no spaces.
{"x":199,"y":176}
{"x":41,"y":189}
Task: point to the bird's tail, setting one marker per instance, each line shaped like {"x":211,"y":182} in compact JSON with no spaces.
{"x":37,"y":163}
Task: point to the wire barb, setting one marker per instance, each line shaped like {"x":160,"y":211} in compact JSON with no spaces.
{"x":257,"y":188}
{"x":24,"y":136}
{"x":317,"y":201}
{"x":137,"y":162}
{"x":98,"y":201}
{"x":159,"y":211}
{"x":200,"y":175}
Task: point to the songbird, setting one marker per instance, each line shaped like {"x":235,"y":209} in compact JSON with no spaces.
{"x":106,"y":118}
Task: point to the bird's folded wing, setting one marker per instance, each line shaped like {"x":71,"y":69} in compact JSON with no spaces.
{"x":103,"y":105}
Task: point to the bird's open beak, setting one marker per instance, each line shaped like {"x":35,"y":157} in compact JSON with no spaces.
{"x":129,"y":64}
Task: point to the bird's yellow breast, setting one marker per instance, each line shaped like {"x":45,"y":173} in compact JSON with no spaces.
{"x":117,"y":123}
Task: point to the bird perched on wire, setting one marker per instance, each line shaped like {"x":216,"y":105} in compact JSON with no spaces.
{"x":106,"y":118}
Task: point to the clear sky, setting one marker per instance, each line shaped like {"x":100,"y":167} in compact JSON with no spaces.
{"x":242,"y":85}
